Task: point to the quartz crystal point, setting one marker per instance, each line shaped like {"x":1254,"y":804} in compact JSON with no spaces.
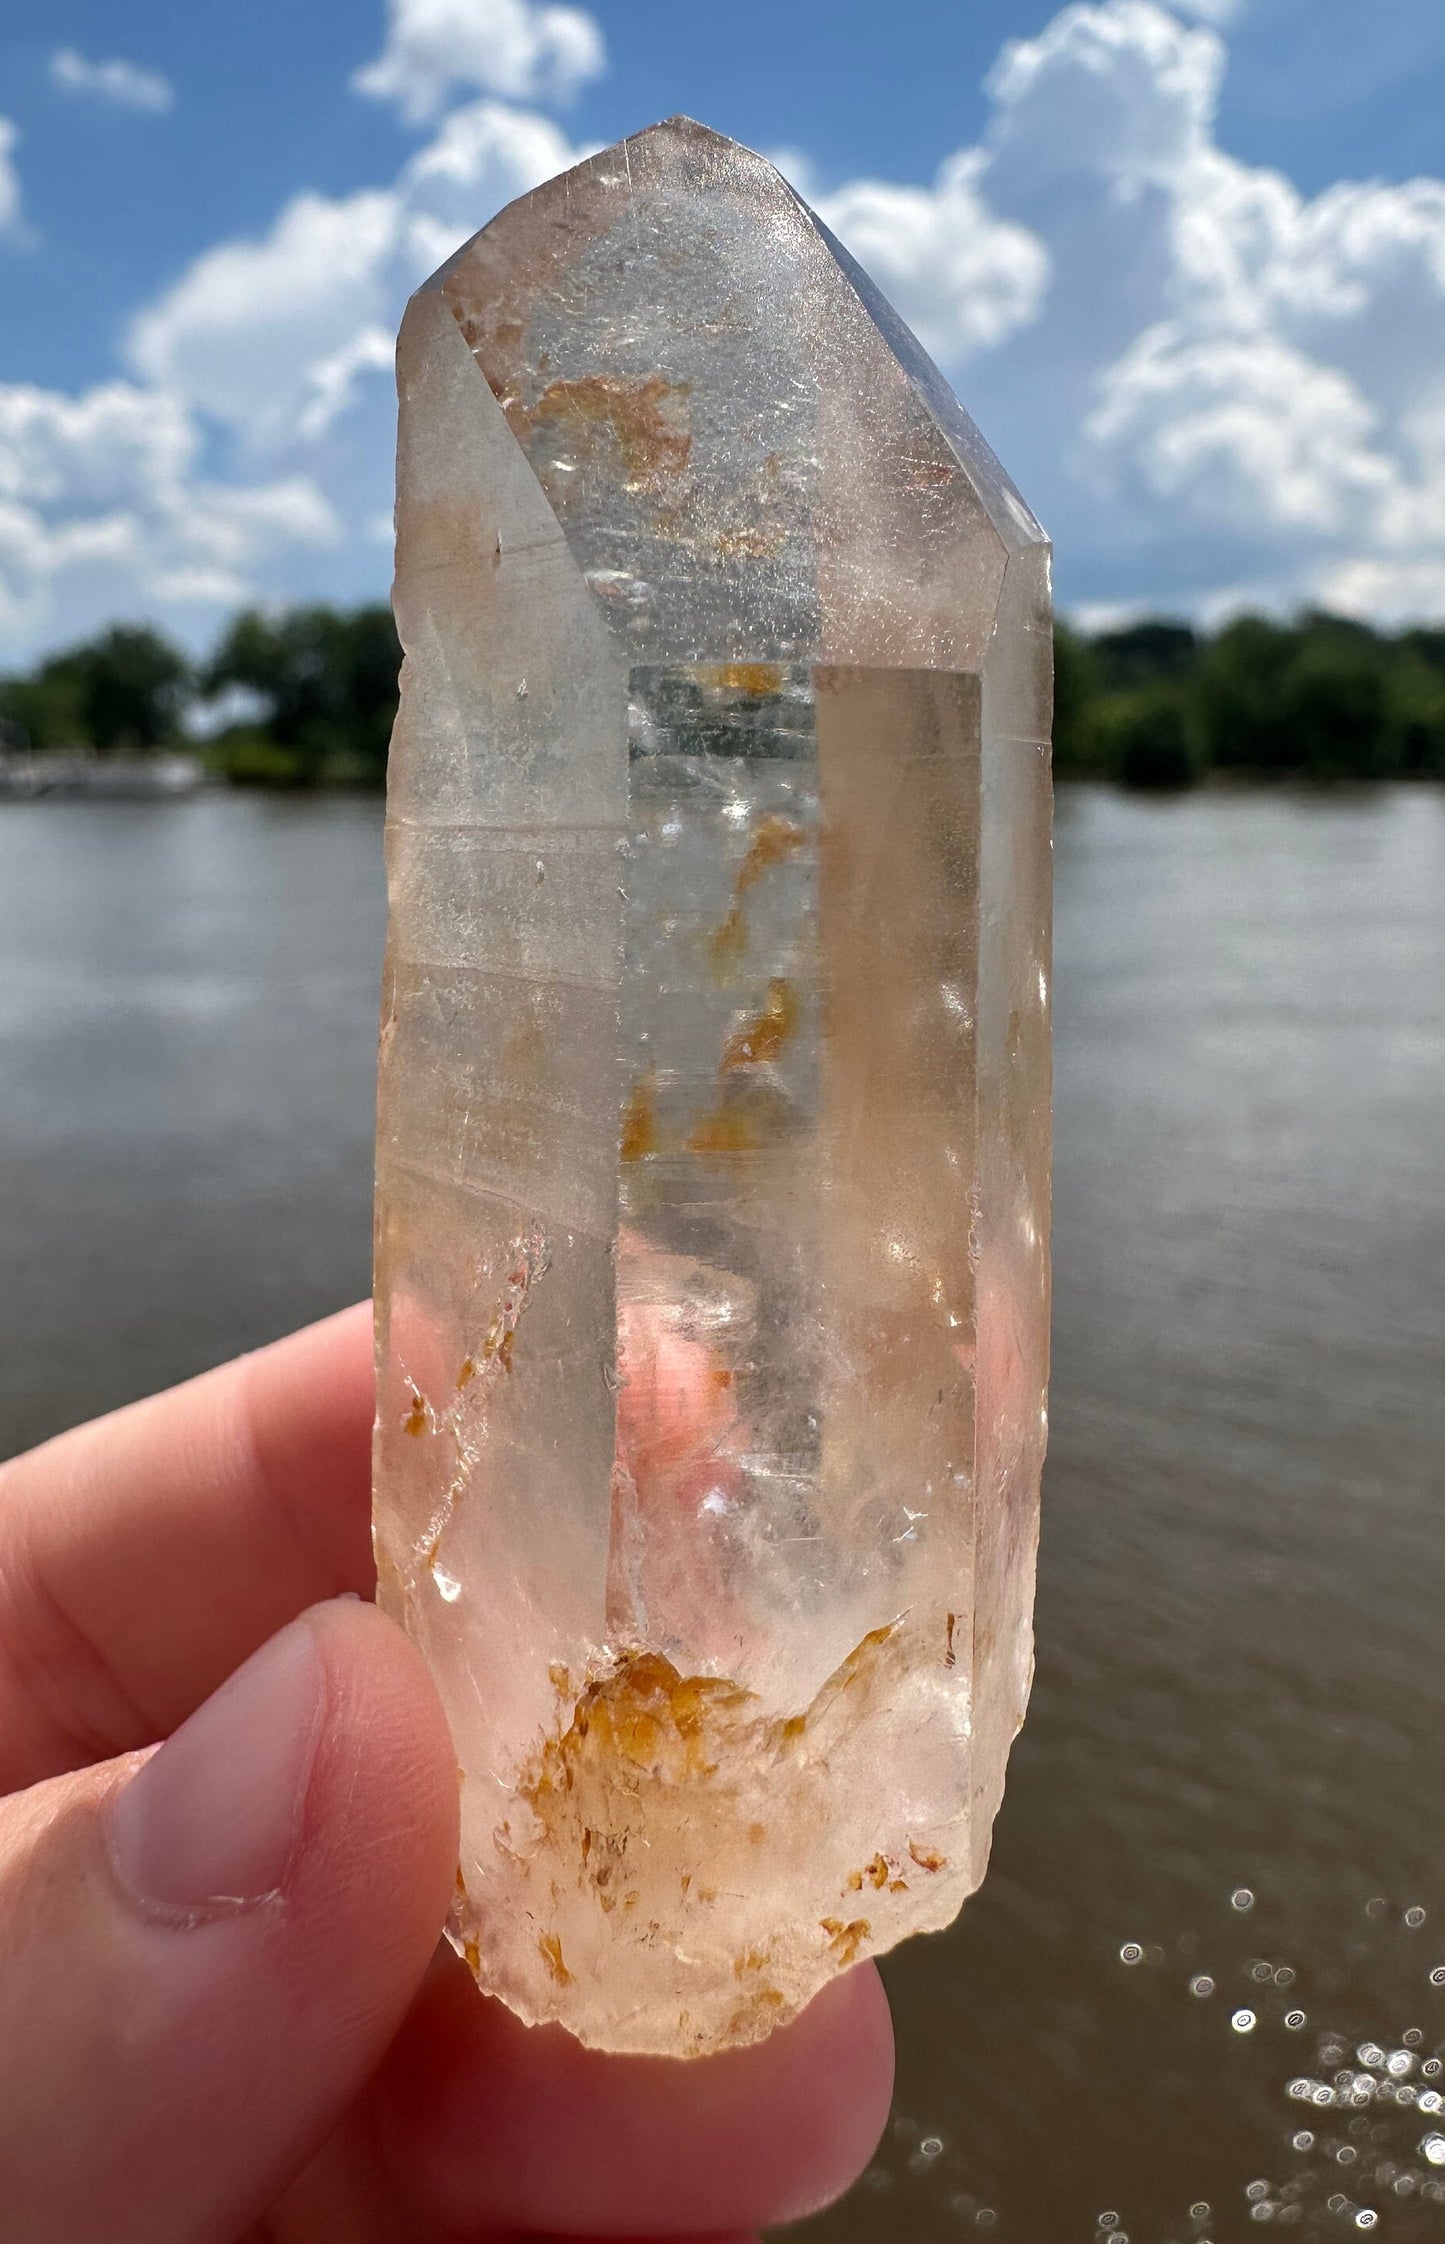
{"x":712,"y":1284}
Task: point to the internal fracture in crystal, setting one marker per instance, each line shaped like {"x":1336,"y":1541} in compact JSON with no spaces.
{"x":712,"y":1201}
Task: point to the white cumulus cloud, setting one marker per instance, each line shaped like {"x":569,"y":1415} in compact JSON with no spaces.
{"x":103,"y":511}
{"x":1237,"y":426}
{"x":250,"y":453}
{"x":275,"y":337}
{"x":239,"y":332}
{"x":102,"y":448}
{"x":961,"y":276}
{"x":509,"y":47}
{"x":1121,"y":90}
{"x":1370,"y":588}
{"x":1229,"y":384}
{"x":333,"y":383}
{"x":1213,"y":387}
{"x":481,"y":158}
{"x":124,"y":83}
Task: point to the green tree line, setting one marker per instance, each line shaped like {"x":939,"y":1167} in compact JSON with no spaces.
{"x":318,"y":685}
{"x":1155,"y":704}
{"x":1158,"y":704}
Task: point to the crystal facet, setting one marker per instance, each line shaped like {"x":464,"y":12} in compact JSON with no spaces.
{"x":712,"y":1283}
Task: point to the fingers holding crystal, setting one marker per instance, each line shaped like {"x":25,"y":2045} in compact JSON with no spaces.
{"x":208,"y":1948}
{"x":481,"y":2119}
{"x":143,"y":1557}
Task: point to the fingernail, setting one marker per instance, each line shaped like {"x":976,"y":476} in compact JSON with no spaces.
{"x":212,"y":1821}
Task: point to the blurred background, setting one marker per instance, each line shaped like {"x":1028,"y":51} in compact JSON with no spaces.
{"x":1187,"y":269}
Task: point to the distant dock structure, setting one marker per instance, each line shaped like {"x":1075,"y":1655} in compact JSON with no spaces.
{"x":70,"y":774}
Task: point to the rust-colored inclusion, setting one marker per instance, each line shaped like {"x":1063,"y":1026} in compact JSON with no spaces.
{"x":639,"y":1121}
{"x":647,"y":419}
{"x":845,"y":1940}
{"x":549,"y":1947}
{"x":645,"y":1728}
{"x":760,"y":679}
{"x":775,"y":839}
{"x":734,"y":1128}
{"x":644,"y":1716}
{"x":762,"y":1039}
{"x":644,"y":1751}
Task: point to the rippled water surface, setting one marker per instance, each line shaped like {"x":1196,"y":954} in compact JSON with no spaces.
{"x":1203,"y":1990}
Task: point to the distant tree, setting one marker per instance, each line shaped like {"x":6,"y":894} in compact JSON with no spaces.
{"x":1425,"y":644}
{"x":1076,"y":685}
{"x":1333,"y":712}
{"x":1416,"y":719}
{"x":44,"y":710}
{"x":1239,"y":684}
{"x":252,"y":759}
{"x":123,"y":689}
{"x":1144,"y":654}
{"x":327,"y":681}
{"x":134,"y":684}
{"x":1148,"y":738}
{"x":373,"y":664}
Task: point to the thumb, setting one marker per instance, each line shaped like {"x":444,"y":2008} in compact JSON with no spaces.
{"x":206,"y":1950}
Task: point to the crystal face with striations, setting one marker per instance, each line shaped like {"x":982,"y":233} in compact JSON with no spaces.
{"x":712,"y":1194}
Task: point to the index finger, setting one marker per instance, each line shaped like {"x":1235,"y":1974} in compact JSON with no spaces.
{"x":143,"y":1557}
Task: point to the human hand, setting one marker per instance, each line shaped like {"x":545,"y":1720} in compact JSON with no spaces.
{"x":223,"y":2013}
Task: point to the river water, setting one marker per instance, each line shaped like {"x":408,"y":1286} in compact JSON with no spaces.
{"x":1230,"y":1780}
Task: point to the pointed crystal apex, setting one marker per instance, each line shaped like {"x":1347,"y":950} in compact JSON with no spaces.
{"x":713,"y":1143}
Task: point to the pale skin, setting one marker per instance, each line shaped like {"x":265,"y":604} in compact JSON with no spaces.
{"x":224,"y":2014}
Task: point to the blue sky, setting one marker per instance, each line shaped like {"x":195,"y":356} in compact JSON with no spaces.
{"x":1186,"y":267}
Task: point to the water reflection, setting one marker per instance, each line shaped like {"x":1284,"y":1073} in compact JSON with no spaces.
{"x":1371,"y":2155}
{"x":1233,"y":1748}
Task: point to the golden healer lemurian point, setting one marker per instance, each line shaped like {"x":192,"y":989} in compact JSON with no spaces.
{"x":713,"y":1144}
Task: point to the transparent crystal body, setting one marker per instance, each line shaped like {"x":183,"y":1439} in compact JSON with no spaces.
{"x":712,"y":1172}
